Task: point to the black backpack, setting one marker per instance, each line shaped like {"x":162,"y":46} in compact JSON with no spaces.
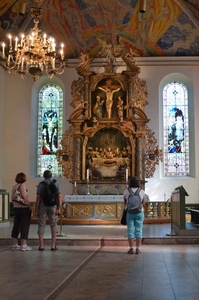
{"x":50,"y":193}
{"x":134,"y":202}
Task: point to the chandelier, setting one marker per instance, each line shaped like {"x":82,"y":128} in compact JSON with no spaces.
{"x":34,"y":53}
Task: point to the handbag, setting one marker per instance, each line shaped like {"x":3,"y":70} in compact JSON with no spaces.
{"x":18,"y":198}
{"x":123,"y":219}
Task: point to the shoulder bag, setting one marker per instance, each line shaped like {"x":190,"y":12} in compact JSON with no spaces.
{"x":18,"y":198}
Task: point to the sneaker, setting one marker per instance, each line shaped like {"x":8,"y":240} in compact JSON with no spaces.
{"x":26,"y":248}
{"x":16,"y":247}
{"x":131,"y":251}
{"x":137,"y":251}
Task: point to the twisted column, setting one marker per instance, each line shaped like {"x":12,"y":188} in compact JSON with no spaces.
{"x":77,"y":158}
{"x":140,"y":157}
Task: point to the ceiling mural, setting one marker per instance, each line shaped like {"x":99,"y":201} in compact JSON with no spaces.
{"x":167,"y":28}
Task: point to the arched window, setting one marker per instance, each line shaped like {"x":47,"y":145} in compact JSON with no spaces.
{"x":50,"y":123}
{"x":176,"y":129}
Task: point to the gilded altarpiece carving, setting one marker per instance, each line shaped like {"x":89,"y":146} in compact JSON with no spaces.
{"x":108,"y":139}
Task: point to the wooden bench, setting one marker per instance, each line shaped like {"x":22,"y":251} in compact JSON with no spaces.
{"x":194,"y":215}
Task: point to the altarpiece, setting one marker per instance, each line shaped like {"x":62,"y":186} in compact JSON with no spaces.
{"x":108,"y":140}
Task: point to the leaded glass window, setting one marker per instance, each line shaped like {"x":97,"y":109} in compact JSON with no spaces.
{"x":176,"y":130}
{"x":50,"y":122}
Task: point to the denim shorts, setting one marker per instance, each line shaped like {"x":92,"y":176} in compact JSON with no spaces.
{"x":135,"y":225}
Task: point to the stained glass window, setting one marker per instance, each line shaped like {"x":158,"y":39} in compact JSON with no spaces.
{"x":176,"y":130}
{"x":50,"y":122}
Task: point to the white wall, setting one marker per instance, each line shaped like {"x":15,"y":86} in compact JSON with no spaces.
{"x":2,"y":102}
{"x":19,"y":124}
{"x":154,"y":76}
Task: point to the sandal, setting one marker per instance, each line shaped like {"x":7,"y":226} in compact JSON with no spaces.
{"x":137,"y":251}
{"x":54,"y":249}
{"x":131,"y":251}
{"x":41,"y":249}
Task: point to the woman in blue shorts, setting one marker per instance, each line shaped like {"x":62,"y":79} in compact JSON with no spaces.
{"x":134,"y":217}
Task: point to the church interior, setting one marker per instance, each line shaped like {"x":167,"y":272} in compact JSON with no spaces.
{"x":110,"y":75}
{"x":98,"y":91}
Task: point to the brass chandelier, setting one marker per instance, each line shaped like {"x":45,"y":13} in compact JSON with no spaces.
{"x":34,"y":53}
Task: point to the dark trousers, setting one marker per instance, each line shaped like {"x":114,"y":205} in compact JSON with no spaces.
{"x":21,"y":223}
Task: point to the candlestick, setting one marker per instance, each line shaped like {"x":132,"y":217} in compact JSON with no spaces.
{"x":75,"y":188}
{"x":88,"y":188}
{"x":164,"y":196}
{"x":53,"y":62}
{"x":22,"y":63}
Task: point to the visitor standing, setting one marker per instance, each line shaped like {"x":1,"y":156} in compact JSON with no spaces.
{"x":22,"y":213}
{"x":44,"y":208}
{"x":135,"y":214}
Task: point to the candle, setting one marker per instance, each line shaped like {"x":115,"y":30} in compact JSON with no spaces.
{"x":44,"y":39}
{"x":75,"y":184}
{"x":22,"y":37}
{"x":10,"y":38}
{"x":16,"y":43}
{"x":53,"y":45}
{"x":87,"y":174}
{"x":3,"y":50}
{"x":126,"y":174}
{"x":62,"y":51}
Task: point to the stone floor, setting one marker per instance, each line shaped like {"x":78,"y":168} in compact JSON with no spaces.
{"x":99,"y":272}
{"x":103,"y":235}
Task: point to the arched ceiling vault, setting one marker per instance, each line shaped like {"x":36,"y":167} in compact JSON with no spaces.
{"x":167,"y":28}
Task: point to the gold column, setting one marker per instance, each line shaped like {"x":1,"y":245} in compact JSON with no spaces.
{"x":77,"y":158}
{"x":140,"y":160}
{"x":87,"y":103}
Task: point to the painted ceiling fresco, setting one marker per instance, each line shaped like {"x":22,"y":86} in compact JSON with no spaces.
{"x":167,"y":28}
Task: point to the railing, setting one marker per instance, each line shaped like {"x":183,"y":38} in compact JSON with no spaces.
{"x":152,"y":210}
{"x":157,"y":210}
{"x":4,"y":206}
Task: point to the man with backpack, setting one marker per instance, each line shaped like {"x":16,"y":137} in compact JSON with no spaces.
{"x":134,"y":198}
{"x":48,"y":202}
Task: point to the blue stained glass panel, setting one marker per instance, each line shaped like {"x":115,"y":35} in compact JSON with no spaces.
{"x":50,"y":123}
{"x":176,"y":130}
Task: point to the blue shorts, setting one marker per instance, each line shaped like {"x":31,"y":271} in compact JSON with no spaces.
{"x":135,"y":225}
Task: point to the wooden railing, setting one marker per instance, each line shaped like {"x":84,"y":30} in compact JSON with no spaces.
{"x":157,"y":209}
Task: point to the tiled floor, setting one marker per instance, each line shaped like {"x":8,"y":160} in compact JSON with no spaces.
{"x":160,"y":272}
{"x":101,"y":273}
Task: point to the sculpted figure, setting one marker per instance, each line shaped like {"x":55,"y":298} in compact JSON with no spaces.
{"x":97,"y":109}
{"x":109,"y":90}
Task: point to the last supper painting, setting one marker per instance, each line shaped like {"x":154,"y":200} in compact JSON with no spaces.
{"x":108,"y":155}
